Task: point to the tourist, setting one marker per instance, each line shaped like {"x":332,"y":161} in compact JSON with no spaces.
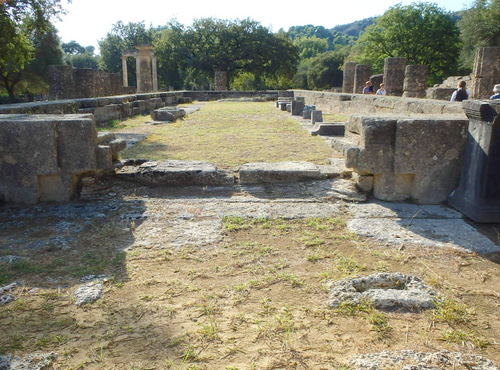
{"x":381,"y":91}
{"x":496,"y":90}
{"x":368,"y":88}
{"x":460,"y":93}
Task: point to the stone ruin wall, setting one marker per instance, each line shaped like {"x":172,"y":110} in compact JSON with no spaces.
{"x":66,"y":82}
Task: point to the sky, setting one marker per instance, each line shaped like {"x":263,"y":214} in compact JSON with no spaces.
{"x":88,"y":21}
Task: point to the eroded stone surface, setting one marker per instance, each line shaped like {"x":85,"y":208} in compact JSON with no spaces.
{"x":413,"y":360}
{"x":36,"y":361}
{"x":383,"y":290}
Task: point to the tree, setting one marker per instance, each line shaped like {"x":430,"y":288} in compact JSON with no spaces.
{"x":79,"y":56}
{"x":324,"y":71}
{"x":235,"y":46}
{"x":421,"y":32}
{"x":23,"y":23}
{"x":310,"y":47}
{"x":479,"y":27}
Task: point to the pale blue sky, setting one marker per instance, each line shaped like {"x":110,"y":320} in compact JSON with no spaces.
{"x":88,"y":21}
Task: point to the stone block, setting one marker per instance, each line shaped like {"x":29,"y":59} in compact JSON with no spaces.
{"x":255,"y":173}
{"x":104,"y":157}
{"x":105,"y":137}
{"x":364,"y":182}
{"x":116,"y":147}
{"x":57,"y":188}
{"x":392,"y":187}
{"x":297,"y":108}
{"x":76,"y":142}
{"x":316,"y":116}
{"x":426,"y":143}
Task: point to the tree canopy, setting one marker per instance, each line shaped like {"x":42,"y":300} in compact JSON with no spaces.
{"x":479,"y":27}
{"x":26,"y":33}
{"x":421,"y":32}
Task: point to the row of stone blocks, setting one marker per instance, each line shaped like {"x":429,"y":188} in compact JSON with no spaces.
{"x":44,"y":157}
{"x":403,"y":157}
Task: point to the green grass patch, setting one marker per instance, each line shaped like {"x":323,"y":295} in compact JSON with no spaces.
{"x":230,"y":134}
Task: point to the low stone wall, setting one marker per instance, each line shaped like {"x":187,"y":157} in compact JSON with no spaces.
{"x":44,"y":157}
{"x":120,"y":107}
{"x":358,"y":103}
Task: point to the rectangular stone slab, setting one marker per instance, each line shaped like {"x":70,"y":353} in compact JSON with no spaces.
{"x":262,"y":172}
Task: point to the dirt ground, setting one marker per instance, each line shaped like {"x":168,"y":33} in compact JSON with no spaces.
{"x":189,"y":286}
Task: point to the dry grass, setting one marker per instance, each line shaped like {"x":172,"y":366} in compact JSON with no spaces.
{"x":229,"y":134}
{"x":254,"y":300}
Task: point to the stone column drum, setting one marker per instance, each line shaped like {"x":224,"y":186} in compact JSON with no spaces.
{"x":486,"y":72}
{"x":478,"y":194}
{"x":361,"y":75}
{"x":348,"y":78}
{"x":394,"y":75}
{"x":415,"y":82}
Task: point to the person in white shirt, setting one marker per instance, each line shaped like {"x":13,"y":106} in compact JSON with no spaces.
{"x":381,"y":91}
{"x":460,"y":94}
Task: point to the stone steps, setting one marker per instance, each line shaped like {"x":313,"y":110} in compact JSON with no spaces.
{"x":197,"y":173}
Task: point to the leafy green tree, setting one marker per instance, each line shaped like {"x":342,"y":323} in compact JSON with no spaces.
{"x":310,"y":47}
{"x":172,"y":50}
{"x":324,"y":71}
{"x":73,"y":48}
{"x":79,"y":56}
{"x":234,"y":46}
{"x":479,"y":27}
{"x":23,"y":25}
{"x":421,"y":32}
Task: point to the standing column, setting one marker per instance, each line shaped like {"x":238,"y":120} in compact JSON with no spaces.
{"x":125,"y":72}
{"x":155,"y":74}
{"x":348,"y":78}
{"x":486,"y":72}
{"x":394,"y":75}
{"x":415,"y":81}
{"x":361,"y":75}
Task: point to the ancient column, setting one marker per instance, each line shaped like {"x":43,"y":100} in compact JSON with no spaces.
{"x":143,"y":67}
{"x":125,"y":72}
{"x":486,"y":72}
{"x":394,"y":75}
{"x":348,"y":78}
{"x":361,"y":75}
{"x":155,"y":73}
{"x":415,"y":82}
{"x":220,"y":81}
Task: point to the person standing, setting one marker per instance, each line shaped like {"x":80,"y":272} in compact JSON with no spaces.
{"x":460,"y":94}
{"x":496,"y":90}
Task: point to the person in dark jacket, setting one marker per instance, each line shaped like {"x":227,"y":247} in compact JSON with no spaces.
{"x":460,"y":94}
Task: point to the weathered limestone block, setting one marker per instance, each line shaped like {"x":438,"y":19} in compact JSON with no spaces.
{"x":307,"y":112}
{"x":486,"y":72}
{"x":76,"y":142}
{"x":415,"y":82}
{"x":348,"y":77}
{"x":394,"y":75}
{"x":57,"y":188}
{"x":168,"y":114}
{"x":361,"y":75}
{"x":27,"y":149}
{"x":364,"y":182}
{"x":439,"y":93}
{"x":104,"y":157}
{"x":255,"y":173}
{"x":316,"y":116}
{"x":392,"y":187}
{"x":42,"y":156}
{"x":105,"y":137}
{"x":297,"y":107}
{"x":116,"y":147}
{"x":177,"y":173}
{"x":432,"y":149}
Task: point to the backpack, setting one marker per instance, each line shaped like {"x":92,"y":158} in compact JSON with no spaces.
{"x":461,"y":95}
